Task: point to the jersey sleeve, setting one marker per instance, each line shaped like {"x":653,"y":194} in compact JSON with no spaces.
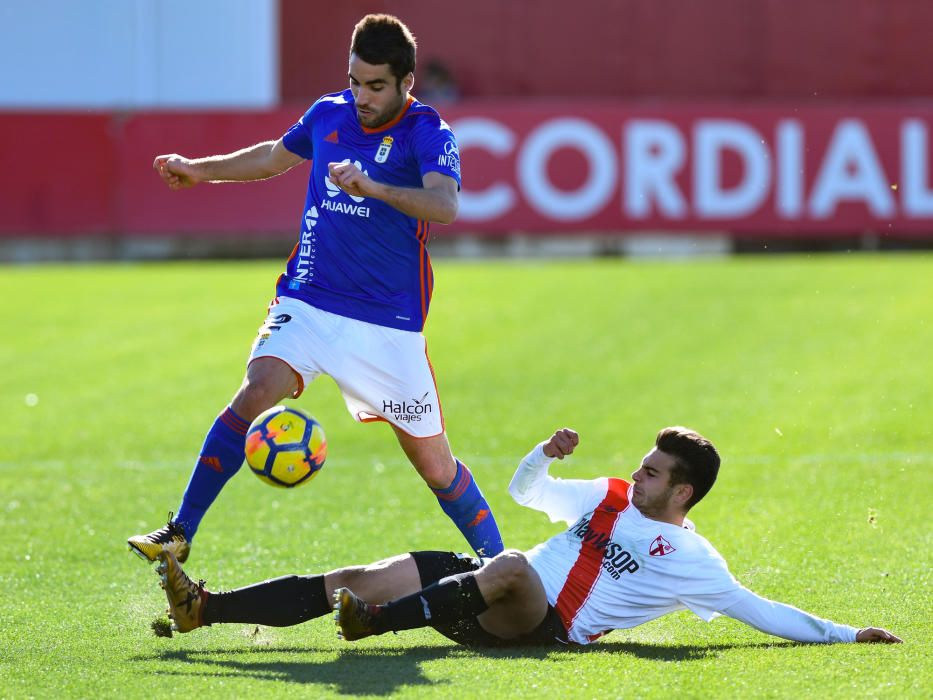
{"x":709,"y":589}
{"x":561,"y":499}
{"x":436,"y":148}
{"x":705,"y":586}
{"x":786,"y":621}
{"x":298,"y":137}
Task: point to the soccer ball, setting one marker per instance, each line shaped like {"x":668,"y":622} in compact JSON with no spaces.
{"x":285,"y":447}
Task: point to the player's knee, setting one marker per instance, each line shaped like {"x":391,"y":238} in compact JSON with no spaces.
{"x":511,"y":567}
{"x":348,"y":577}
{"x":357,"y":577}
{"x":254,"y":397}
{"x":438,"y":474}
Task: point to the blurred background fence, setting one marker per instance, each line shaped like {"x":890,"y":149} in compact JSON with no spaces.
{"x":754,"y":120}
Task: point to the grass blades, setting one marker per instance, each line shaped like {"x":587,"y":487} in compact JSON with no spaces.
{"x":811,"y":374}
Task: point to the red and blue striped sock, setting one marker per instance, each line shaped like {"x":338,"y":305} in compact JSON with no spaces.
{"x":465,"y":504}
{"x":221,"y":457}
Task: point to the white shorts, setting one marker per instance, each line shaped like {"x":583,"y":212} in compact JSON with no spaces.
{"x":383,"y":373}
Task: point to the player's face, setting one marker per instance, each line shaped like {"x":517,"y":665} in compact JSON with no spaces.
{"x":652,"y":489}
{"x":375,"y":91}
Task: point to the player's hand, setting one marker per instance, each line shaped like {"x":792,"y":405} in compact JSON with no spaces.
{"x":351,"y":179}
{"x":873,"y":635}
{"x":176,"y":171}
{"x":562,"y":443}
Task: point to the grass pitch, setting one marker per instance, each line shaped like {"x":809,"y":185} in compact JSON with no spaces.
{"x":812,"y":375}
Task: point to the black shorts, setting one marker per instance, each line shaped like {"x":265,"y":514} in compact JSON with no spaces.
{"x":433,"y":566}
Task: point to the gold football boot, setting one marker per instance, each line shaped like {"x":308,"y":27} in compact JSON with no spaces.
{"x":355,"y":618}
{"x":171,"y":537}
{"x":185,"y":597}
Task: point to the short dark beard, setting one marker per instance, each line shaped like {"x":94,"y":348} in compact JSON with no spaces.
{"x":383,"y":122}
{"x":649,"y":511}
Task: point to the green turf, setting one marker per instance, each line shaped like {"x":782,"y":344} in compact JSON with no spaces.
{"x":812,"y":375}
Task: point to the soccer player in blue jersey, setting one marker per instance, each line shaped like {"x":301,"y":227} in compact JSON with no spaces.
{"x":356,"y":290}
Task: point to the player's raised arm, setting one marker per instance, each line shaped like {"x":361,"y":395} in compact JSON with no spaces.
{"x":438,"y":200}
{"x":562,"y":499}
{"x":531,"y":478}
{"x":258,"y":162}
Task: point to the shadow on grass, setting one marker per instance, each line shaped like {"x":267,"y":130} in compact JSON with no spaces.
{"x":383,"y":671}
{"x":674,"y":652}
{"x":353,"y":672}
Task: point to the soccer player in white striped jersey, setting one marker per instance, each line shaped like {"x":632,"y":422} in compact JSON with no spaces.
{"x":629,"y":556}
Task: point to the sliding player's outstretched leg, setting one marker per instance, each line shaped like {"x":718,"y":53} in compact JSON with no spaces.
{"x":504,"y":598}
{"x":279,"y":602}
{"x":286,"y":600}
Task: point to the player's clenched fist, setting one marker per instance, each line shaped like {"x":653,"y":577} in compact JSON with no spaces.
{"x":175,"y":170}
{"x":350,"y":179}
{"x":562,"y":443}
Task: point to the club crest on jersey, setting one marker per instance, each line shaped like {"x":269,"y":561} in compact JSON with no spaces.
{"x":659,"y":547}
{"x":382,"y":155}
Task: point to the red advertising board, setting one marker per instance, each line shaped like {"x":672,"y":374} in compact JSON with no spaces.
{"x":270,"y":206}
{"x":743,"y":169}
{"x":536,"y":167}
{"x":57,"y":173}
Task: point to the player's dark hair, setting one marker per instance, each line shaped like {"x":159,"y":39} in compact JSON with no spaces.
{"x":379,"y":39}
{"x":696,"y":461}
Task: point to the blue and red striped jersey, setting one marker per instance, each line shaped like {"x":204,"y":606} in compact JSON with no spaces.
{"x":356,"y":256}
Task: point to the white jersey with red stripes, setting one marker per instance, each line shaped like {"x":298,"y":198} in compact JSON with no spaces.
{"x":614,"y":568}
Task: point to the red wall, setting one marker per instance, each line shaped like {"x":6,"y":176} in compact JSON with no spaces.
{"x":69,"y":174}
{"x":57,"y":172}
{"x":806,"y":49}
